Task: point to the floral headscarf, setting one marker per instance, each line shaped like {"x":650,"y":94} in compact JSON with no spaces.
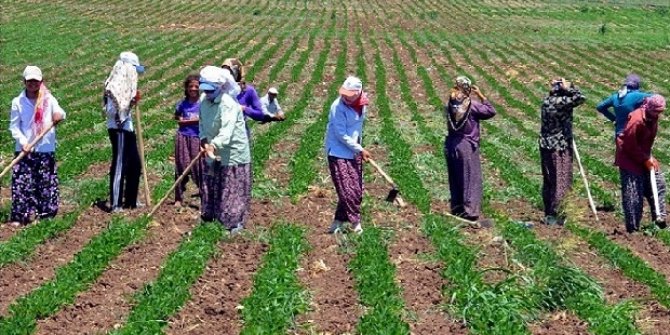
{"x":121,"y":87}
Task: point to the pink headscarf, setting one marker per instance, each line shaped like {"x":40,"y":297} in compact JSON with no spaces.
{"x":40,"y":106}
{"x":655,"y":102}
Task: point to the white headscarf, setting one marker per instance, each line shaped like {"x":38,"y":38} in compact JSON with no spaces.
{"x":121,"y":87}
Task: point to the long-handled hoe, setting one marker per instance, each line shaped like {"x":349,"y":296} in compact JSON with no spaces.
{"x":586,"y":182}
{"x":147,"y":193}
{"x":181,"y":177}
{"x":394,"y":193}
{"x":23,"y":153}
{"x":654,"y":191}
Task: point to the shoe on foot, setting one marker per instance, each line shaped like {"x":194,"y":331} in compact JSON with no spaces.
{"x":661,"y":223}
{"x":117,"y":210}
{"x":177,"y":203}
{"x":335,"y":226}
{"x":357,"y":228}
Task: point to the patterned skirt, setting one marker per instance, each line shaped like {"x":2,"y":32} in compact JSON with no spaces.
{"x":187,"y":148}
{"x":634,"y":189}
{"x":35,"y":187}
{"x":226,"y":194}
{"x":347,"y":175}
{"x":557,"y":178}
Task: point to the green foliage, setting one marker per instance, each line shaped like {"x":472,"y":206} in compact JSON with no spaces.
{"x":73,"y":278}
{"x":487,"y":309}
{"x":277,"y":295}
{"x":622,"y":258}
{"x":374,"y":276}
{"x":157,"y":301}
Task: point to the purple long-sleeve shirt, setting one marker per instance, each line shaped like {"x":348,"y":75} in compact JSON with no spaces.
{"x":252,"y":104}
{"x":470,"y":130}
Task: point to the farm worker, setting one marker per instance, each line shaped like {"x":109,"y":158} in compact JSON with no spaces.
{"x":227,"y":192}
{"x":34,"y":178}
{"x":461,"y":147}
{"x":623,"y":102}
{"x":270,"y":104}
{"x":344,"y":135}
{"x":121,"y":95}
{"x":634,"y":159}
{"x":187,"y":140}
{"x":247,"y":96}
{"x":556,"y":146}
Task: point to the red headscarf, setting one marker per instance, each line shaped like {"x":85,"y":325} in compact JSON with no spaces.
{"x":359,"y":103}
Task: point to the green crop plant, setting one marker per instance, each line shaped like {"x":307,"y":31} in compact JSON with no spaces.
{"x":158,"y":300}
{"x":72,"y":278}
{"x":263,"y":143}
{"x":374,"y":275}
{"x":622,"y":258}
{"x":303,"y":170}
{"x":277,"y":295}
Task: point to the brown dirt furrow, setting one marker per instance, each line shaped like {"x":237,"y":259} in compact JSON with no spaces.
{"x":421,"y":283}
{"x":650,"y":249}
{"x":559,"y":323}
{"x":652,"y":318}
{"x":215,"y":297}
{"x":108,"y":302}
{"x":19,"y":279}
{"x":334,"y":301}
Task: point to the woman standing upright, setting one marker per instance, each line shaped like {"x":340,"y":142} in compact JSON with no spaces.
{"x":461,"y":147}
{"x":187,"y":141}
{"x":344,"y":136}
{"x":227,"y":192}
{"x":34,"y":178}
{"x":121,"y":95}
{"x":556,"y":146}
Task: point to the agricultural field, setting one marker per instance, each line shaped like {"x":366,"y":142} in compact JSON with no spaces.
{"x":413,"y":270}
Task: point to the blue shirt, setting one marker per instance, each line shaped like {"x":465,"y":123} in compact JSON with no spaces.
{"x":344,"y":132}
{"x":622,"y":107}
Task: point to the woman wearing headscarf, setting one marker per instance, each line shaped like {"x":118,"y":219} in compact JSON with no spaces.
{"x":34,"y":178}
{"x":121,"y":95}
{"x":635,"y":160}
{"x":344,"y":135}
{"x":556,"y":146}
{"x":623,"y":102}
{"x":247,"y":96}
{"x":461,"y":147}
{"x":227,"y":190}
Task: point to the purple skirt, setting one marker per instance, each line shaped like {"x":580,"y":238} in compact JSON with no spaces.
{"x":187,"y":148}
{"x":347,"y":175}
{"x":226,"y":194}
{"x":35,"y":187}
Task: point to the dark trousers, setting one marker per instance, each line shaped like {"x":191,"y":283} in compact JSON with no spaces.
{"x":124,"y":174}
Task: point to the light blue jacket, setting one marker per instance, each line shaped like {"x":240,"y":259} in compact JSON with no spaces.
{"x":344,"y":133}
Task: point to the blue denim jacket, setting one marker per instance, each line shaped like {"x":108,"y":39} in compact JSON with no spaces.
{"x":344,"y":133}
